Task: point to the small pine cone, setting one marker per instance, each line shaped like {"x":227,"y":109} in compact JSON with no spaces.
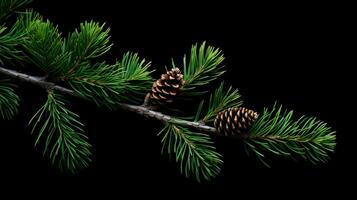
{"x":166,"y":88}
{"x":235,"y":121}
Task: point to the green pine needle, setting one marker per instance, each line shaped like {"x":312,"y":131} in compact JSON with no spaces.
{"x":25,"y":19}
{"x":7,"y":7}
{"x":10,"y":42}
{"x":276,"y":132}
{"x":137,"y":77}
{"x":220,"y":100}
{"x":203,"y":67}
{"x":61,"y":132}
{"x":9,"y":101}
{"x":126,"y":81}
{"x":194,"y":152}
{"x":90,"y":41}
{"x":99,"y":82}
{"x":44,"y":47}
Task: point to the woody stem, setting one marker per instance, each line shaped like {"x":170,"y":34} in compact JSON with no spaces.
{"x":141,"y":110}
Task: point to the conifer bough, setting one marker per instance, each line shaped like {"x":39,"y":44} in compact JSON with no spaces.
{"x":72,"y":65}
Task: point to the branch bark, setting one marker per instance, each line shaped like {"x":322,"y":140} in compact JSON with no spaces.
{"x":141,"y":110}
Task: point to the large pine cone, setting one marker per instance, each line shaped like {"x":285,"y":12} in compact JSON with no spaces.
{"x":166,"y":88}
{"x":235,"y":121}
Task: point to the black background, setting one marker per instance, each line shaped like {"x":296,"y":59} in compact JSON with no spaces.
{"x":291,"y":53}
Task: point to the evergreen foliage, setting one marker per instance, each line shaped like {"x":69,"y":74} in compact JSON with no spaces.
{"x":44,"y":47}
{"x":195,"y":152}
{"x":9,"y":101}
{"x":276,"y":131}
{"x":62,"y":134}
{"x":219,"y":100}
{"x":7,"y":7}
{"x":201,"y":68}
{"x":9,"y":45}
{"x":74,"y":64}
{"x":105,"y":84}
{"x":92,"y":40}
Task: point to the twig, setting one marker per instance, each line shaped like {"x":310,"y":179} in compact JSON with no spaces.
{"x":141,"y":110}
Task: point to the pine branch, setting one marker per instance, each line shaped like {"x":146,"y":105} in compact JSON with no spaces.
{"x":62,"y":134}
{"x":9,"y":101}
{"x":307,"y":138}
{"x":141,"y":110}
{"x":276,"y":132}
{"x":262,"y":122}
{"x":38,"y":81}
{"x":203,"y":67}
{"x":69,"y":61}
{"x":7,"y":7}
{"x":194,"y":151}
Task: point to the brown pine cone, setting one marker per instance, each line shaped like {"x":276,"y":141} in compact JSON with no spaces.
{"x":235,"y":121}
{"x":166,"y":88}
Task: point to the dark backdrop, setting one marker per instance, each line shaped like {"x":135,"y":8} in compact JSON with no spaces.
{"x":292,"y":54}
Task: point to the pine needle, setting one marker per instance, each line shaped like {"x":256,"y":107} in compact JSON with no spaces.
{"x":306,"y":138}
{"x":9,"y":101}
{"x":202,"y":67}
{"x":194,"y":152}
{"x":61,"y":133}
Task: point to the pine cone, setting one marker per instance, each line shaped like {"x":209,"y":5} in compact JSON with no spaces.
{"x":166,"y":88}
{"x":235,"y":121}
